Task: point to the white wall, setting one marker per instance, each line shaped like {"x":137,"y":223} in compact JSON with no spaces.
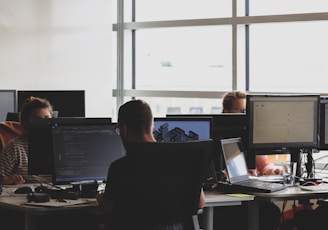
{"x":59,"y":45}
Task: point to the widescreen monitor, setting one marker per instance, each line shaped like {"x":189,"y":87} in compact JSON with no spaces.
{"x":83,"y":153}
{"x":186,"y":129}
{"x":40,"y":160}
{"x":7,"y":103}
{"x":225,"y":125}
{"x":68,"y":103}
{"x":324,"y":123}
{"x":177,"y":129}
{"x":282,"y":122}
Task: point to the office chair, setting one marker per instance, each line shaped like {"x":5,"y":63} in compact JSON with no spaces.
{"x":12,"y":116}
{"x":165,"y":180}
{"x":8,"y":131}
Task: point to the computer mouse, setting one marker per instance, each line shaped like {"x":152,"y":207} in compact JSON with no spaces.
{"x":41,"y":189}
{"x":23,"y":190}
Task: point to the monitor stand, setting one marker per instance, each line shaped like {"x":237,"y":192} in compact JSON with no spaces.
{"x":309,"y":165}
{"x":296,"y":156}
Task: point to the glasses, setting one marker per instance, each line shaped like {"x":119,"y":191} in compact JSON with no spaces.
{"x":239,"y":110}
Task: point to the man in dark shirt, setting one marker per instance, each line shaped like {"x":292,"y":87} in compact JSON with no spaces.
{"x":135,"y":124}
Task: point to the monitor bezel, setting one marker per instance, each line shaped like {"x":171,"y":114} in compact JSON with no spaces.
{"x":72,"y":100}
{"x":188,"y":119}
{"x":40,"y":159}
{"x":58,"y":179}
{"x":282,"y":147}
{"x":323,"y":121}
{"x":12,"y":102}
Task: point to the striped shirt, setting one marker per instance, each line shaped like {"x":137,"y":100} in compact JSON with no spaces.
{"x":14,"y":160}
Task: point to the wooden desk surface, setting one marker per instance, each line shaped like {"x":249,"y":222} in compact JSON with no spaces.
{"x":213,"y":199}
{"x":17,"y":202}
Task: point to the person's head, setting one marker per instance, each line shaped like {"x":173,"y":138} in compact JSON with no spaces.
{"x":234,"y":102}
{"x":34,"y":107}
{"x":135,"y":121}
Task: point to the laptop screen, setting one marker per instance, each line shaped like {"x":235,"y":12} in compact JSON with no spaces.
{"x":234,"y":159}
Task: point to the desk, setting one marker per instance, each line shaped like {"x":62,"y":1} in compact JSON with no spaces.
{"x":14,"y":202}
{"x":290,"y":193}
{"x":215,"y":199}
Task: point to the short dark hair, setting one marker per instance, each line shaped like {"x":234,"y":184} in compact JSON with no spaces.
{"x":229,"y":97}
{"x":29,"y":105}
{"x":137,"y":116}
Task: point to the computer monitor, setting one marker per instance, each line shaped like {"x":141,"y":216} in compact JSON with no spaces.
{"x":40,"y":159}
{"x":225,"y":125}
{"x":279,"y":122}
{"x":186,"y":129}
{"x":177,"y":129}
{"x":323,"y":123}
{"x":68,"y":103}
{"x":7,"y":103}
{"x":282,"y":124}
{"x":83,"y":153}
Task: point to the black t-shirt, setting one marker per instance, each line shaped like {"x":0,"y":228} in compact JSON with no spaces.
{"x":136,"y":202}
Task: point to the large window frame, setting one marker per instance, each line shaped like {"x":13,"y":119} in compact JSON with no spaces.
{"x":234,"y":21}
{"x":122,"y":93}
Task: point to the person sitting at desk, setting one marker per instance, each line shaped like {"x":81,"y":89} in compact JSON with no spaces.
{"x":135,"y":123}
{"x":235,"y":102}
{"x":14,"y":157}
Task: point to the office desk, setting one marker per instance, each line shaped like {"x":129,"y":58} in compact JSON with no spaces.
{"x":215,"y":199}
{"x":14,"y":202}
{"x":290,"y":193}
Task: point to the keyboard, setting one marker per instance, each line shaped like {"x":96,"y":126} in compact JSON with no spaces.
{"x":250,"y":186}
{"x":261,"y":186}
{"x":269,"y":178}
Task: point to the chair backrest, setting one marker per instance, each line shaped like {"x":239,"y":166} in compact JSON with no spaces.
{"x":167,"y":178}
{"x":12,"y":116}
{"x":8,"y":131}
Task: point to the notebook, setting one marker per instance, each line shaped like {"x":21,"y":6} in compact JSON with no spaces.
{"x":237,"y":171}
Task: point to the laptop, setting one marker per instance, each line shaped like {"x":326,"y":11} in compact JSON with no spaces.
{"x":237,"y":171}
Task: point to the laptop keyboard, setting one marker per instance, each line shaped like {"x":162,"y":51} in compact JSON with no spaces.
{"x":256,"y":183}
{"x":262,"y":185}
{"x":249,"y":186}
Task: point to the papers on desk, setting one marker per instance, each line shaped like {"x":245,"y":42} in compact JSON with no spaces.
{"x":319,"y":187}
{"x":64,"y":203}
{"x":240,"y":195}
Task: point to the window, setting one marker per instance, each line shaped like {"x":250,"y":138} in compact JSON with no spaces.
{"x":190,"y":58}
{"x":189,"y":53}
{"x":183,"y":9}
{"x":275,"y":7}
{"x":294,"y":61}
